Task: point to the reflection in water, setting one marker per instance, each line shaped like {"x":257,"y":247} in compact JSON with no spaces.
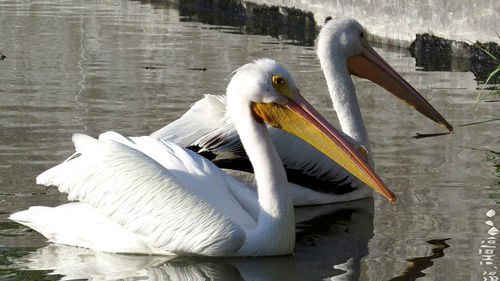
{"x":418,"y":264}
{"x":494,"y":157}
{"x":8,"y":272}
{"x":248,"y":18}
{"x":421,"y":136}
{"x":430,"y":61}
{"x":331,"y":240}
{"x":491,"y":156}
{"x":480,"y":69}
{"x":480,"y":122}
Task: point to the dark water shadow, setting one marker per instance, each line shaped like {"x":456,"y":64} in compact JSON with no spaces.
{"x":432,"y":62}
{"x":419,"y":264}
{"x":422,"y":136}
{"x":331,"y":241}
{"x":433,"y":53}
{"x":292,"y":25}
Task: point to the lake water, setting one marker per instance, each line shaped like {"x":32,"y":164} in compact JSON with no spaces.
{"x":133,"y":66}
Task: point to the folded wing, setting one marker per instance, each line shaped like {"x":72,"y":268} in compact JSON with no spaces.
{"x":146,"y":186}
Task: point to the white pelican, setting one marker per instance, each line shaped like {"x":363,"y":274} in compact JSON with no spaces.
{"x":342,"y":50}
{"x":144,"y":195}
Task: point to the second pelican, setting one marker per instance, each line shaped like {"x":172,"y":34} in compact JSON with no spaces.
{"x":315,"y":179}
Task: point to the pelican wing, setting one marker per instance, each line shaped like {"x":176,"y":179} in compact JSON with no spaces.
{"x":204,"y":128}
{"x":176,"y":200}
{"x":202,"y":117}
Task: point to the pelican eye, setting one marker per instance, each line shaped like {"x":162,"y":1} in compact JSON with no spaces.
{"x":281,"y":86}
{"x":362,"y":34}
{"x":278,"y":79}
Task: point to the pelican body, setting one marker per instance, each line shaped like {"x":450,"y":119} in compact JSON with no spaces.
{"x":148,"y":196}
{"x":314,"y":178}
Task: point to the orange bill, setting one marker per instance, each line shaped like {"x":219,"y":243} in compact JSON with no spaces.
{"x":298,"y":117}
{"x":372,"y":66}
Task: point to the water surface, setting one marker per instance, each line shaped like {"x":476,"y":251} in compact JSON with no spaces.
{"x":94,"y":66}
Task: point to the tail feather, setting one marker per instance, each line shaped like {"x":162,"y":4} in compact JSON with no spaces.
{"x":79,"y":224}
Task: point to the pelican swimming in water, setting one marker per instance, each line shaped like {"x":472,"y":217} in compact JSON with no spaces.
{"x":315,"y":179}
{"x":144,"y":195}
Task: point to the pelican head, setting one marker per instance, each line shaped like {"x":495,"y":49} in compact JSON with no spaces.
{"x":344,"y":38}
{"x":264,"y":81}
{"x":266,"y":89}
{"x":344,"y":41}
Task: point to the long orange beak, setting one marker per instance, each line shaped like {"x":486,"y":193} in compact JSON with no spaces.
{"x":298,"y":117}
{"x":370,"y":65}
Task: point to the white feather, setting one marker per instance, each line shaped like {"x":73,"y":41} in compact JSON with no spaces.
{"x":115,"y":176}
{"x":208,"y":114}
